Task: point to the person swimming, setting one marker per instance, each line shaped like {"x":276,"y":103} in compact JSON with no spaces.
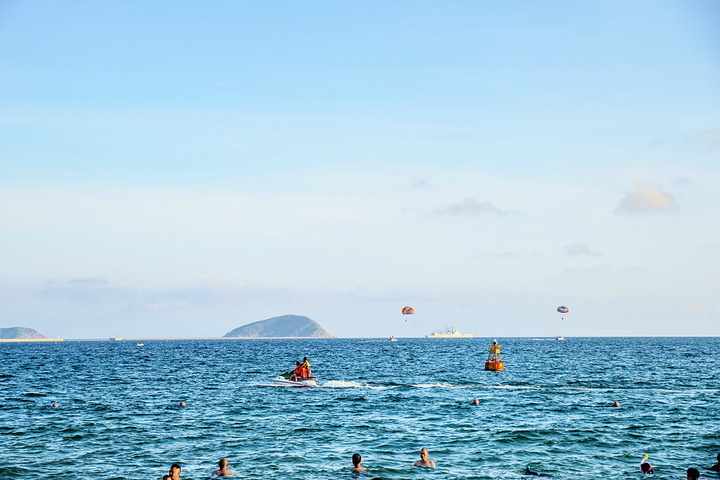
{"x":424,"y":460}
{"x":223,"y":470}
{"x":694,"y":474}
{"x":175,"y":471}
{"x":716,"y":467}
{"x":537,"y":474}
{"x":357,"y":463}
{"x":645,"y":466}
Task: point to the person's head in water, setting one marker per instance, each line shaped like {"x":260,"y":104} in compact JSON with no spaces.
{"x":356,"y":459}
{"x":693,"y":474}
{"x":646,"y":467}
{"x":175,"y":471}
{"x":223,"y":470}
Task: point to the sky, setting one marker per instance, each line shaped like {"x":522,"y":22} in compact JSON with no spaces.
{"x":179,"y":169}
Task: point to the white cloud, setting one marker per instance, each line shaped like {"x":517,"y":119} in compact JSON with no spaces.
{"x":710,"y":138}
{"x":681,"y":181}
{"x":88,"y":291}
{"x":644,"y":199}
{"x":470,"y":207}
{"x":586,"y":271}
{"x":581,"y":249}
{"x":420,"y":183}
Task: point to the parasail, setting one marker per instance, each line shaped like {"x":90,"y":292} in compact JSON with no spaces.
{"x":407,"y":311}
{"x":563,"y":309}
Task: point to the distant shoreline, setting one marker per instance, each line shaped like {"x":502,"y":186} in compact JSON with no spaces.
{"x":4,"y":340}
{"x":167,"y":339}
{"x":154,"y":339}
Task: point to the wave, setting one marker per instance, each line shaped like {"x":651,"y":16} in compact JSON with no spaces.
{"x":344,"y":384}
{"x":443,"y":385}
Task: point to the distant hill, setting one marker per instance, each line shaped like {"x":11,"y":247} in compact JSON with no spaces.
{"x":15,"y":333}
{"x":285,"y":326}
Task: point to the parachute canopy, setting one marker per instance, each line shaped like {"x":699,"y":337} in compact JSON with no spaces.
{"x":408,"y":311}
{"x":563,"y":309}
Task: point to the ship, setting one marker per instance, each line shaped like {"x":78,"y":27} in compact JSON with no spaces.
{"x":452,"y":333}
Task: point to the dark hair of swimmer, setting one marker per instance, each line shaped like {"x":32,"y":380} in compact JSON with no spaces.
{"x":356,"y":459}
{"x":693,"y":473}
{"x":646,"y":468}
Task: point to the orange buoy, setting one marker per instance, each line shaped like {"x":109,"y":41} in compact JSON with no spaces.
{"x":182,"y":404}
{"x":494,"y":361}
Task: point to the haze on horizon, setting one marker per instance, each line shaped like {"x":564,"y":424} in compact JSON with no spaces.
{"x":183,"y":169}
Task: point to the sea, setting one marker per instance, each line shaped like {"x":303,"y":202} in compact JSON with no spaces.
{"x":118,"y":413}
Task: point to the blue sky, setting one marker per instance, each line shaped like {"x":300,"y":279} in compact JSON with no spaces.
{"x":180,"y":169}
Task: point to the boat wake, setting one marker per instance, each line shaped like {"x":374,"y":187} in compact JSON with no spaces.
{"x":344,"y":384}
{"x":443,"y":385}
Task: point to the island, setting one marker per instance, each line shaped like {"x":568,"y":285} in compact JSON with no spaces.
{"x":286,"y":326}
{"x":23,"y":334}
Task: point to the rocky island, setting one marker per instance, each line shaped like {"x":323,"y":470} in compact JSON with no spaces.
{"x":23,"y":334}
{"x":286,"y":326}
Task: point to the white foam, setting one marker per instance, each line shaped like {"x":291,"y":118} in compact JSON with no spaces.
{"x":344,"y":384}
{"x":440,"y":385}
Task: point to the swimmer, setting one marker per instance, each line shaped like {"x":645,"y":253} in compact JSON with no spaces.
{"x":716,"y":467}
{"x":529,"y":472}
{"x":645,"y":466}
{"x":693,"y":474}
{"x":616,"y":404}
{"x":476,"y":402}
{"x":424,"y":460}
{"x":357,"y":460}
{"x":223,"y":470}
{"x":175,"y":471}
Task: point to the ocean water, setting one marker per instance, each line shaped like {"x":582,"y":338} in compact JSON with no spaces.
{"x":119,"y":415}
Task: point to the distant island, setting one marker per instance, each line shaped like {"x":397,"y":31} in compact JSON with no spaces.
{"x":284,"y":326}
{"x":19,"y":333}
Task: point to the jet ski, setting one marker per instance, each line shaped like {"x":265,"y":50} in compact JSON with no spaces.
{"x":284,"y":380}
